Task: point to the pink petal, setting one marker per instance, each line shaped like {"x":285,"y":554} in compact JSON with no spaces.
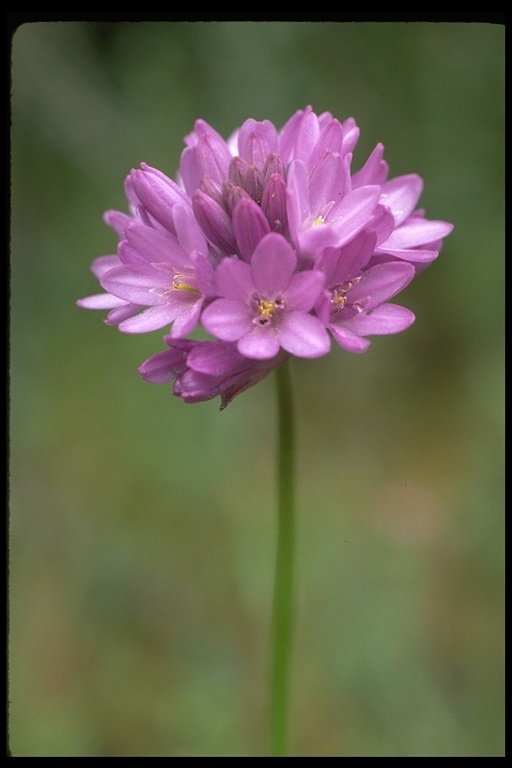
{"x":308,"y":135}
{"x":328,"y":182}
{"x":187,"y":229}
{"x":304,"y":290}
{"x":103,"y":263}
{"x":303,"y":335}
{"x":214,"y":358}
{"x":158,"y":195}
{"x":101,"y":301}
{"x":233,"y":279}
{"x":355,"y":212}
{"x":388,"y":318}
{"x":119,"y":314}
{"x":157,"y":247}
{"x":409,"y":254}
{"x":134,"y":287}
{"x":150,"y":320}
{"x":374,"y":171}
{"x":382,"y":282}
{"x":268,"y":133}
{"x":186,"y":318}
{"x":249,"y":226}
{"x":297,"y":197}
{"x":160,"y":368}
{"x":227,"y":319}
{"x":288,"y":134}
{"x":117,"y":221}
{"x":272,"y":265}
{"x":214,"y":156}
{"x":260,"y":343}
{"x":416,"y":232}
{"x":401,"y":195}
{"x":348,"y":340}
{"x":331,"y":139}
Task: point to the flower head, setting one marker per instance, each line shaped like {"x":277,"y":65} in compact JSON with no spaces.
{"x":270,"y":243}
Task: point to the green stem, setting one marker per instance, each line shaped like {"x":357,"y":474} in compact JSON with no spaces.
{"x":283,"y":609}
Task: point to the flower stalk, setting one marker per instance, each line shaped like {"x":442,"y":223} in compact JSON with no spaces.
{"x":284,"y":603}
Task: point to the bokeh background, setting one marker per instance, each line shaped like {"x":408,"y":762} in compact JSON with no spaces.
{"x":142,"y":530}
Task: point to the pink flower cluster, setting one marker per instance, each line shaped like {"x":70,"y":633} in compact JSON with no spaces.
{"x":268,"y":242}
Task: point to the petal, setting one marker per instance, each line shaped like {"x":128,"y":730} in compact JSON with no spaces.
{"x":401,"y":195}
{"x":158,"y":195}
{"x":288,"y":134}
{"x":101,"y":301}
{"x":382,"y":282}
{"x":213,"y":156}
{"x":307,"y":136}
{"x":374,"y":171}
{"x":272,"y":265}
{"x":214,"y":358}
{"x":273,"y":203}
{"x":416,"y":232}
{"x":103,"y":263}
{"x":382,"y":223}
{"x":158,"y":248}
{"x":348,"y":340}
{"x":131,"y":258}
{"x":350,"y":135}
{"x":202,"y":128}
{"x":227,"y":319}
{"x":233,"y":280}
{"x":122,"y":313}
{"x":117,"y":221}
{"x":316,"y":238}
{"x":260,"y":343}
{"x":304,"y":290}
{"x":409,"y":254}
{"x":355,"y":212}
{"x":190,"y":171}
{"x":297,"y":197}
{"x":341,"y":264}
{"x":249,"y":227}
{"x":161,"y":367}
{"x":138,"y":288}
{"x":187,"y":229}
{"x":331,"y":139}
{"x":214,"y":221}
{"x":256,"y":152}
{"x":186,"y":317}
{"x":303,"y":335}
{"x":150,"y":320}
{"x":328,"y":182}
{"x":353,"y":257}
{"x":203,"y":272}
{"x":388,"y":318}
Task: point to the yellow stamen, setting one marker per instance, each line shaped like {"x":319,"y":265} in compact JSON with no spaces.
{"x":338,"y":300}
{"x":266,"y":308}
{"x":179,"y":284}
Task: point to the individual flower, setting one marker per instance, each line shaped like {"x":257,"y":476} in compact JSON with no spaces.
{"x":355,"y":303}
{"x":266,"y":305}
{"x":166,"y":276}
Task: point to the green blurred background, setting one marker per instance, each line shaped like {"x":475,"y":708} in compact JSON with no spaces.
{"x":142,"y":530}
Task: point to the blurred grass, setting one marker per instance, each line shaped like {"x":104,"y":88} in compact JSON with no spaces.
{"x":142,"y":529}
